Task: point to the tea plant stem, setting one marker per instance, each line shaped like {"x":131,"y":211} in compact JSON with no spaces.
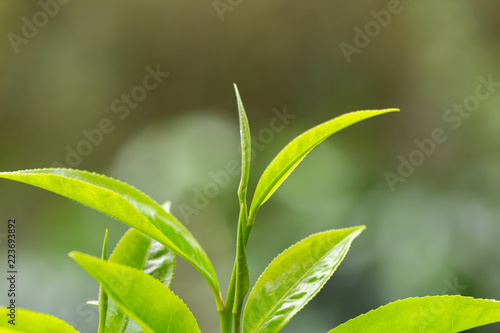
{"x":237,"y":324}
{"x":225,"y":324}
{"x":250,"y":221}
{"x":220,"y":302}
{"x":103,"y":297}
{"x":239,"y":284}
{"x":230,"y":300}
{"x":226,"y":317}
{"x":222,"y":310}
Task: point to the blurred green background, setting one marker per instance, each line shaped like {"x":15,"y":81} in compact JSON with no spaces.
{"x":65,"y":68}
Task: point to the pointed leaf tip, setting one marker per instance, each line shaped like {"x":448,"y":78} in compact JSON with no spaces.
{"x":295,"y":151}
{"x":143,"y":298}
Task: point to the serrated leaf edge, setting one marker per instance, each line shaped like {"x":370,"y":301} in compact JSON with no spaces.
{"x":422,"y":298}
{"x":356,"y":228}
{"x":127,"y":312}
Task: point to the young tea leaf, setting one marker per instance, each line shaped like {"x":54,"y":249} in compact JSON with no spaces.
{"x":143,"y":298}
{"x":126,"y":204}
{"x":431,"y":314}
{"x":139,"y":251}
{"x":242,"y":283}
{"x":27,"y":321}
{"x":294,"y":278}
{"x":160,"y":263}
{"x":246,"y":147}
{"x":284,"y":163}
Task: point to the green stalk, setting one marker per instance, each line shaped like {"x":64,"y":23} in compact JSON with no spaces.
{"x":103,"y":297}
{"x":225,"y":324}
{"x":242,"y":285}
{"x":230,"y":297}
{"x":239,"y":284}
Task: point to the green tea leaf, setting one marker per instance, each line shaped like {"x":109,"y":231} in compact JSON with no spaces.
{"x":160,"y":263}
{"x":242,"y":275}
{"x":126,"y":204}
{"x":141,"y":252}
{"x":240,"y":280}
{"x":294,"y":278}
{"x":27,"y":321}
{"x":431,"y":314}
{"x":133,"y":327}
{"x":143,"y":298}
{"x":246,"y":147}
{"x":284,"y":163}
{"x":131,"y":250}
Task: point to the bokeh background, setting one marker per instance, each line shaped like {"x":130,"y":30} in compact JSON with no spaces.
{"x":434,"y":231}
